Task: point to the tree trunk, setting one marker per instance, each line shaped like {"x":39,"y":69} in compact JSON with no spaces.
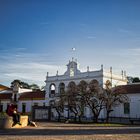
{"x":79,"y":117}
{"x":75,"y":119}
{"x":107,"y":116}
{"x":59,"y":116}
{"x":95,"y":119}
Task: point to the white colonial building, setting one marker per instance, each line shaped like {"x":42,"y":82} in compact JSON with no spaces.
{"x":57,"y":84}
{"x":25,"y":99}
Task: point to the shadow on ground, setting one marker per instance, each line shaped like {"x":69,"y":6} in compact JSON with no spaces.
{"x":59,"y":132}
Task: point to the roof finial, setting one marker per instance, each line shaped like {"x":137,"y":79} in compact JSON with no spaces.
{"x":57,"y":73}
{"x":124,"y":73}
{"x":72,"y":59}
{"x":87,"y":68}
{"x":110,"y":69}
{"x":47,"y":74}
{"x":102,"y":67}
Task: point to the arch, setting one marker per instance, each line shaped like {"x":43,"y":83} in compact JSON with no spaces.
{"x":82,"y":86}
{"x":61,"y":88}
{"x":94,"y":82}
{"x":52,"y":89}
{"x":72,"y":88}
{"x":72,"y":84}
{"x":93,"y":85}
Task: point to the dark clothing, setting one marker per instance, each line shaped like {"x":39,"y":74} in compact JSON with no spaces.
{"x":16,"y":118}
{"x":11,"y":111}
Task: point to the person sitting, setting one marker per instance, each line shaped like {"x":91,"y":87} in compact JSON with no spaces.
{"x":12,"y":111}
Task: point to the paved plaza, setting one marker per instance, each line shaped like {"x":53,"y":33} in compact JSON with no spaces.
{"x":62,"y":131}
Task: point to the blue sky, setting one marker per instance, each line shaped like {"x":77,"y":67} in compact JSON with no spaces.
{"x":36,"y":37}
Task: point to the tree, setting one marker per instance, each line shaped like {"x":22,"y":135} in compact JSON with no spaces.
{"x":42,"y":88}
{"x":15,"y":82}
{"x":20,"y":84}
{"x":25,"y":85}
{"x":70,"y":99}
{"x":135,"y":80}
{"x":129,"y":79}
{"x":95,"y":99}
{"x":113,"y":97}
{"x":81,"y":101}
{"x":34,"y":87}
{"x":59,"y":106}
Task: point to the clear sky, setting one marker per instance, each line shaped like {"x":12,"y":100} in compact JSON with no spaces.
{"x":36,"y":37}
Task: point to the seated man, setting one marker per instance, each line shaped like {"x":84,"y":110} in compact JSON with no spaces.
{"x":12,"y":111}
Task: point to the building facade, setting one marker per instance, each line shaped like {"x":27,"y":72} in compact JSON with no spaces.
{"x":59,"y":83}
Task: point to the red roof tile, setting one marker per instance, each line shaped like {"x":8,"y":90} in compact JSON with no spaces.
{"x":6,"y":96}
{"x":2,"y":87}
{"x":34,"y":95}
{"x":130,"y":89}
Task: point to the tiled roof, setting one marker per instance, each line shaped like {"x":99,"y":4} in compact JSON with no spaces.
{"x":2,"y":87}
{"x":5,"y":96}
{"x":34,"y":95}
{"x":130,"y":89}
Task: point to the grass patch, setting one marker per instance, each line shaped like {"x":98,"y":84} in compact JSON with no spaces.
{"x":109,"y":124}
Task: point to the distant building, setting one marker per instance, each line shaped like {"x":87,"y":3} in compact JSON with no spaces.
{"x":23,"y":98}
{"x":131,"y":109}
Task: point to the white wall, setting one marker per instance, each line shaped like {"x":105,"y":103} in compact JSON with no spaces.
{"x":24,"y":90}
{"x":29,"y":104}
{"x":134,"y":107}
{"x":5,"y":103}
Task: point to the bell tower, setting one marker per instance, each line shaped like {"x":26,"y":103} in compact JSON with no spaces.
{"x":72,"y":69}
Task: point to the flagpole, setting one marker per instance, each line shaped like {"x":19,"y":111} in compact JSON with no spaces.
{"x":73,"y":50}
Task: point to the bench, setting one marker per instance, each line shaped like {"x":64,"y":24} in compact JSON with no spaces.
{"x":134,"y":120}
{"x":7,"y":122}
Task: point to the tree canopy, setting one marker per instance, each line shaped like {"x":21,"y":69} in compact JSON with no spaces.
{"x":23,"y":84}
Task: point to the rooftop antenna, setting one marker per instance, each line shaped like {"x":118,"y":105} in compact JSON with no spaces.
{"x":122,"y":73}
{"x":87,"y":68}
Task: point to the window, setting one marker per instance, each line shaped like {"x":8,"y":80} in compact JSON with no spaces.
{"x":61,"y":88}
{"x":7,"y":107}
{"x":35,"y":104}
{"x":1,"y":107}
{"x":71,"y":72}
{"x":52,"y":90}
{"x":23,"y":107}
{"x":126,"y":108}
{"x":44,"y":104}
